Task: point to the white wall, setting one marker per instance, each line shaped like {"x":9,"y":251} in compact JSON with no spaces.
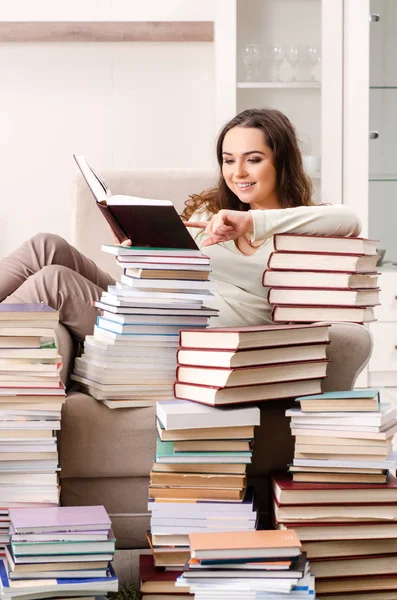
{"x":122,"y":105}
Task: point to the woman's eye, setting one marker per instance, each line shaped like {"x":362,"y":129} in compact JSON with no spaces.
{"x":228,"y":161}
{"x":254,"y":160}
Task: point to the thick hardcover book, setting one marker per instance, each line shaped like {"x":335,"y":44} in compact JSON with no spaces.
{"x":323,"y":297}
{"x":295,"y":242}
{"x":322,"y":261}
{"x":319,"y":279}
{"x":223,"y":377}
{"x":240,"y":338}
{"x":150,"y":223}
{"x":311,"y":314}
{"x":247,"y":393}
{"x":288,"y":492}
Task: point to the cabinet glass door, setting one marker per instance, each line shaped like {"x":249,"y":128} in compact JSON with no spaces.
{"x":382,"y":215}
{"x":279,"y":65}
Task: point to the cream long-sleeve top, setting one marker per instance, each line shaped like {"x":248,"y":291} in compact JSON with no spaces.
{"x":239,"y":296}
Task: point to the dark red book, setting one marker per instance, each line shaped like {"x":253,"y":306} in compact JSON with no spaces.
{"x":156,"y":580}
{"x":288,"y":492}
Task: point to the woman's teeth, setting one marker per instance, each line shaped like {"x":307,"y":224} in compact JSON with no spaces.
{"x":244,"y":185}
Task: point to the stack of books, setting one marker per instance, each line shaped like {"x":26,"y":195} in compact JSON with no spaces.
{"x":31,"y":398}
{"x":160,"y":584}
{"x":226,"y":366}
{"x":130,"y":359}
{"x":56,"y":551}
{"x":313,"y":278}
{"x":340,"y":496}
{"x":198,"y":480}
{"x":252,"y":565}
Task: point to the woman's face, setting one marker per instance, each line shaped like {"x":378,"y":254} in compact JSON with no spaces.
{"x":248,"y":167}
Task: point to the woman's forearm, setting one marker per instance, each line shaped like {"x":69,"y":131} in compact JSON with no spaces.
{"x":312,"y":220}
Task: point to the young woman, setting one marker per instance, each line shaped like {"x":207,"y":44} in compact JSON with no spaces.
{"x":262,"y":190}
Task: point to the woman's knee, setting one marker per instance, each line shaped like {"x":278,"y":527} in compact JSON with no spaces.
{"x":41,"y":239}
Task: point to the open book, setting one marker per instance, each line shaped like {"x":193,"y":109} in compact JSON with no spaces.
{"x":147,"y":223}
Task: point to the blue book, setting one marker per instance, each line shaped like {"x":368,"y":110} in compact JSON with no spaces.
{"x":108,"y":583}
{"x":349,"y":394}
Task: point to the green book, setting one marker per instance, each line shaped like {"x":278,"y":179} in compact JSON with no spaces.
{"x":348,"y":395}
{"x":165,"y":453}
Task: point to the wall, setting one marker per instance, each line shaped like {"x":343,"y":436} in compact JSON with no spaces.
{"x":122,"y":105}
{"x":383,"y":118}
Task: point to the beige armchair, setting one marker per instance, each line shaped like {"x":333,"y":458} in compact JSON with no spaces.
{"x":106,"y":455}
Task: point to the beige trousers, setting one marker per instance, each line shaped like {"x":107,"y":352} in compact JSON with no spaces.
{"x":48,"y":269}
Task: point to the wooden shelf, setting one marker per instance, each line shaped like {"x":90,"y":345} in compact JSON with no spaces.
{"x":109,"y":31}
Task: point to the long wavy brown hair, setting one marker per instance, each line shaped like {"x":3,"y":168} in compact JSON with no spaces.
{"x":293,"y":186}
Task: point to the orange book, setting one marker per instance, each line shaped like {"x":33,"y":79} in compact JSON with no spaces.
{"x":247,"y":544}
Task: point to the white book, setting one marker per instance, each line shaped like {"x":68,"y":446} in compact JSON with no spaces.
{"x":157,"y":253}
{"x":389,"y":464}
{"x":157,"y":347}
{"x":167,"y":284}
{"x":129,"y":403}
{"x":181,"y":414}
{"x":163,"y":266}
{"x":126,"y":365}
{"x":147,"y":319}
{"x":138,"y":329}
{"x":138,"y":311}
{"x":127,"y":292}
{"x":167,"y":339}
{"x":124,"y":301}
{"x":380,"y":417}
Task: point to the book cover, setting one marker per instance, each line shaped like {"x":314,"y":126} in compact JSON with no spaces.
{"x":60,"y":518}
{"x":295,"y":242}
{"x":150,"y":223}
{"x":228,"y":542}
{"x":342,"y":395}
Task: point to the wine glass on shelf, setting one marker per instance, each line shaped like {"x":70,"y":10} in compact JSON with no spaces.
{"x":292,"y":55}
{"x":277,"y":54}
{"x":312,"y":57}
{"x":251,"y":59}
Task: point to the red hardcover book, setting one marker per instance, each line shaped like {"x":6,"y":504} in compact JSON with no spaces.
{"x":319,"y":279}
{"x":158,"y":581}
{"x":311,"y":314}
{"x":336,"y":244}
{"x":322,"y":261}
{"x":258,"y":374}
{"x":263,"y":336}
{"x":216,"y":396}
{"x":323,"y":297}
{"x":288,"y":492}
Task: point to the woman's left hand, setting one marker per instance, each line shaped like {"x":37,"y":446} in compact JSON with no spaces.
{"x":224,"y":226}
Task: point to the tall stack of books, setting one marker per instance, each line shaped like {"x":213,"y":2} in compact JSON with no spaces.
{"x":56,"y":551}
{"x":225,"y":366}
{"x":340,"y":497}
{"x":130,"y":359}
{"x":312,"y":278}
{"x":31,"y":398}
{"x":249,"y":566}
{"x":198,"y":480}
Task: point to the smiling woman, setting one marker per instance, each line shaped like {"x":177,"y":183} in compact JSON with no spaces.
{"x":262,"y":190}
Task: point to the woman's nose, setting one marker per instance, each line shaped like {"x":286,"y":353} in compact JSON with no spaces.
{"x":240,"y":170}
